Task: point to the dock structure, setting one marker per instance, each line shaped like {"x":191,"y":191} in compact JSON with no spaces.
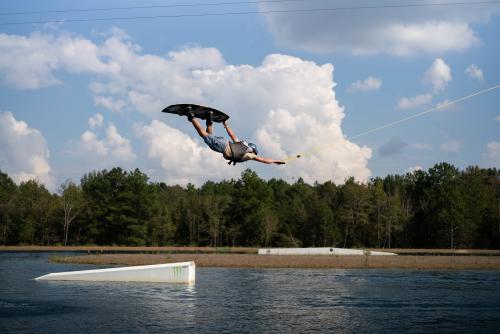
{"x":181,"y":272}
{"x":319,"y":251}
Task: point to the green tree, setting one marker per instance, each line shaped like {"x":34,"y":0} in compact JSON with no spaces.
{"x":354,"y":211}
{"x":248,"y":207}
{"x":216,"y":202}
{"x":440,"y":212}
{"x":377,"y":198}
{"x":8,"y":193}
{"x":161,"y":228}
{"x":328,"y":201}
{"x":35,"y":208}
{"x":486,"y":205}
{"x":72,"y":204}
{"x":441,"y":207}
{"x":118,"y":205}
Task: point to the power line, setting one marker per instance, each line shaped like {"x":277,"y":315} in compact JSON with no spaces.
{"x":149,"y":7}
{"x":284,"y":11}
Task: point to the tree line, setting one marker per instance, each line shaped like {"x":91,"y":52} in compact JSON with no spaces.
{"x":442,"y":207}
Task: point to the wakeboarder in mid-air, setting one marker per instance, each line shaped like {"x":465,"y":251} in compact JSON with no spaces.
{"x":235,"y":150}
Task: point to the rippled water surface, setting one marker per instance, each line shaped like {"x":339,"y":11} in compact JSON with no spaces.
{"x":250,"y":301}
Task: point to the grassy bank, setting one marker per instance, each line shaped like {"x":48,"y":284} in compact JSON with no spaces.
{"x":123,"y":249}
{"x":92,"y":249}
{"x":246,"y":257}
{"x":444,"y":262}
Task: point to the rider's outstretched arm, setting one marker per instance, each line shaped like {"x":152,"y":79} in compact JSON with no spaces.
{"x":230,"y":132}
{"x":268,"y":161}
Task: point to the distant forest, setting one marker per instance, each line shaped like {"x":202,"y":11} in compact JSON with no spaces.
{"x":442,"y":207}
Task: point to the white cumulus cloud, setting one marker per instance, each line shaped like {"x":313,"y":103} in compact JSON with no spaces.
{"x":414,"y":102}
{"x":493,"y":153}
{"x":398,"y":31}
{"x":438,"y":75}
{"x":29,"y":62}
{"x":109,"y":147}
{"x":120,"y":147}
{"x":23,"y":151}
{"x":304,"y":132}
{"x":96,"y":121}
{"x":474,"y":72}
{"x":413,"y":169}
{"x":366,"y":85}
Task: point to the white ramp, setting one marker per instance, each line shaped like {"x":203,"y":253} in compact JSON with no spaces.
{"x":319,"y":251}
{"x":181,"y":272}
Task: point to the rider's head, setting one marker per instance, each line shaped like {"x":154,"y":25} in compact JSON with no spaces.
{"x":254,"y":148}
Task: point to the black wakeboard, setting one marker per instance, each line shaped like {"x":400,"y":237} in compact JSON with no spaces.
{"x":198,"y":111}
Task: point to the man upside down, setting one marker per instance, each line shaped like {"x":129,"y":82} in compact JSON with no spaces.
{"x":235,"y":151}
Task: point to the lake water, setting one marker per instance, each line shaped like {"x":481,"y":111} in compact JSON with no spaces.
{"x":250,"y":301}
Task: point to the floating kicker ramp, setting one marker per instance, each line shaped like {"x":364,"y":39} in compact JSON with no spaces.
{"x":181,"y":272}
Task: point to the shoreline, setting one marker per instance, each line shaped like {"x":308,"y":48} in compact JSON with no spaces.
{"x":128,"y":249}
{"x":93,"y":249}
{"x":246,"y":257}
{"x":417,"y":262}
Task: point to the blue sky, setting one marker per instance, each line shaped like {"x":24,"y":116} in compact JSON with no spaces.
{"x":79,"y":96}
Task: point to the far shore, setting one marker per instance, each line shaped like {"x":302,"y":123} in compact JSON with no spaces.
{"x":128,"y":249}
{"x":418,"y":262}
{"x":93,"y":249}
{"x":246,"y":257}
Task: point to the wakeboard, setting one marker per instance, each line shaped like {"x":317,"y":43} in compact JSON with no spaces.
{"x":198,"y":111}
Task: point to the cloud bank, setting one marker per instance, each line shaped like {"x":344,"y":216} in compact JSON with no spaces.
{"x":367,"y":85}
{"x":23,"y":151}
{"x":394,"y":146}
{"x":413,"y":169}
{"x":438,"y":75}
{"x":493,"y":153}
{"x":398,"y":31}
{"x":414,"y":102}
{"x":474,"y":72}
{"x":286,"y":103}
{"x":109,"y":148}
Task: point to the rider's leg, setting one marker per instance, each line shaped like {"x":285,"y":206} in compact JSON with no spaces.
{"x":209,"y":123}
{"x":209,"y":127}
